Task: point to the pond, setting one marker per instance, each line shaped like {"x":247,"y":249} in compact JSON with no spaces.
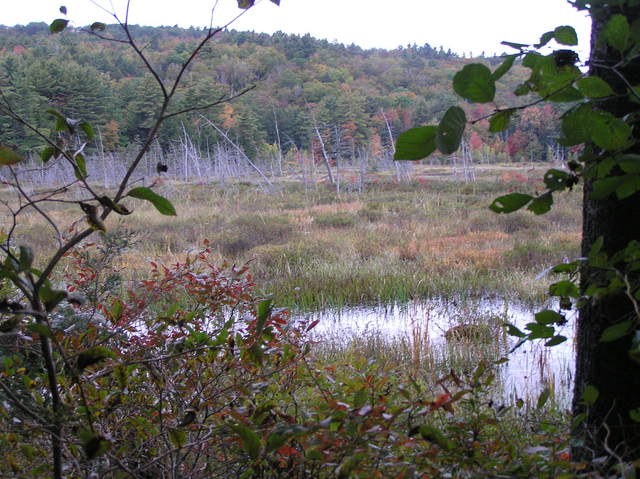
{"x":419,"y":328}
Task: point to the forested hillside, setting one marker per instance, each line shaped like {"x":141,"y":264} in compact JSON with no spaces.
{"x":311,"y":95}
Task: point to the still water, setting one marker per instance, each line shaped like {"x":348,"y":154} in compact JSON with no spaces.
{"x":531,"y":367}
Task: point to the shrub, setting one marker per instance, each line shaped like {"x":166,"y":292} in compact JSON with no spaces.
{"x":336,"y":220}
{"x":153,"y":378}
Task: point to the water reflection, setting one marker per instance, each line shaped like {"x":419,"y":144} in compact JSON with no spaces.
{"x":530,"y":368}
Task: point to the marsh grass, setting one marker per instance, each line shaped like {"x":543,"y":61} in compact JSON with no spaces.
{"x":311,"y":248}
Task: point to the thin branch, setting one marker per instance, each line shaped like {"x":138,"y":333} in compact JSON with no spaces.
{"x":53,"y":262}
{"x":103,"y":37}
{"x":522,"y":107}
{"x":20,"y":405}
{"x":35,"y":206}
{"x":221,"y":100}
{"x":210,"y":34}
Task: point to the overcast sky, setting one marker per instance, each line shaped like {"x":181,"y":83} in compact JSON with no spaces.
{"x":462,"y":25}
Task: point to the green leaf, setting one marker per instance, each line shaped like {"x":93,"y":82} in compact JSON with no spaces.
{"x":263,"y":313}
{"x":565,"y":95}
{"x":51,"y":297}
{"x":178,"y":437}
{"x":40,"y":329}
{"x":564,"y":288}
{"x":615,"y":332}
{"x":475,"y":83}
{"x":544,"y":39}
{"x":277,"y":2}
{"x":617,"y":32}
{"x":95,"y":445}
{"x":510,"y":203}
{"x":604,"y":187}
{"x":555,"y":179}
{"x":594,"y":87}
{"x":87,"y":129}
{"x":590,"y":395}
{"x":450,"y":130}
{"x":93,"y":356}
{"x":504,"y":67}
{"x":567,"y":268}
{"x":500,"y":121}
{"x":543,"y":398}
{"x":634,"y":414}
{"x":630,"y":163}
{"x":58,"y":25}
{"x":559,"y":339}
{"x":163,"y":205}
{"x":26,"y":258}
{"x":314,"y":455}
{"x":431,"y":434}
{"x":565,"y":35}
{"x":80,"y":168}
{"x":48,"y":153}
{"x":63,"y":10}
{"x":523,"y":89}
{"x":540,"y":331}
{"x":542,"y":204}
{"x":244,"y":4}
{"x":97,"y":27}
{"x":531,"y":59}
{"x":548,"y":317}
{"x":9,"y":157}
{"x":276,"y":440}
{"x":604,"y":167}
{"x":579,"y":419}
{"x":61,"y":121}
{"x":416,"y":143}
{"x":629,"y":185}
{"x":610,"y":133}
{"x":512,"y":330}
{"x":250,"y":440}
{"x":360,"y":398}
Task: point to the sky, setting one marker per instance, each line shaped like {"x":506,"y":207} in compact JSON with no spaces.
{"x":464,"y":26}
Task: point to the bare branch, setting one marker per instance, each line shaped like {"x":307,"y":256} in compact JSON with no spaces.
{"x":220,"y":101}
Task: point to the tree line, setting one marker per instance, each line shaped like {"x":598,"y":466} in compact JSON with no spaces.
{"x":309,"y":94}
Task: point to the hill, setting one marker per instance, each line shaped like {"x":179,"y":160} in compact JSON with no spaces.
{"x":310,"y":94}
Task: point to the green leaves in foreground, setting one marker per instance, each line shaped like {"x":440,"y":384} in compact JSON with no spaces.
{"x":510,"y":203}
{"x":450,"y":130}
{"x":163,"y":205}
{"x":419,"y":143}
{"x":250,"y":440}
{"x":617,"y":331}
{"x":9,"y":157}
{"x":416,"y":143}
{"x":475,"y":83}
{"x":58,"y":25}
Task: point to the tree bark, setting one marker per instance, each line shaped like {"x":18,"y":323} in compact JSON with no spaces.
{"x":608,"y":429}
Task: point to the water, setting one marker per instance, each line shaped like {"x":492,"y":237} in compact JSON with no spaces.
{"x":531,"y":368}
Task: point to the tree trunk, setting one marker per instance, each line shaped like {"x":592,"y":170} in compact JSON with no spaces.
{"x":608,"y":429}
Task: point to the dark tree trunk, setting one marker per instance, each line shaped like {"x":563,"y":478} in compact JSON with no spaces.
{"x":608,"y":429}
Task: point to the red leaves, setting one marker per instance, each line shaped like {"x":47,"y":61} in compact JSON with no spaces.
{"x":443,"y":401}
